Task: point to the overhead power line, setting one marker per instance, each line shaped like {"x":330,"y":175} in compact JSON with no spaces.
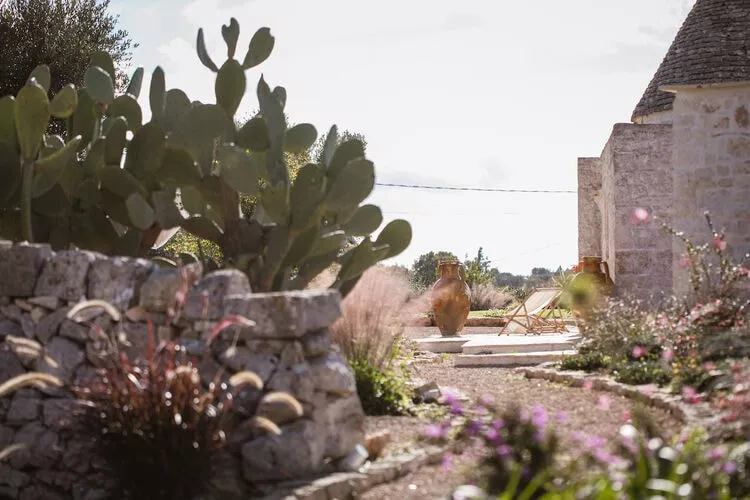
{"x":489,"y":190}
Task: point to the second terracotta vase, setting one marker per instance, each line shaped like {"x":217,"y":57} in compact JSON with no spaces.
{"x":451,"y":299}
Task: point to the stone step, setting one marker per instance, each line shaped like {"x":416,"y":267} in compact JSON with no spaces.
{"x":512,"y":359}
{"x":447,"y":344}
{"x":510,"y":344}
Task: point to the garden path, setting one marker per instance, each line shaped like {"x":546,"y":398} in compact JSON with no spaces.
{"x":589,"y":412}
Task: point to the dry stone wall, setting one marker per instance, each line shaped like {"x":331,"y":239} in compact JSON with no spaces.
{"x":637,"y":173}
{"x":589,"y":213}
{"x":289,"y":348}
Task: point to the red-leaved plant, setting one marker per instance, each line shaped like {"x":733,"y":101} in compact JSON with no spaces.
{"x":155,"y":424}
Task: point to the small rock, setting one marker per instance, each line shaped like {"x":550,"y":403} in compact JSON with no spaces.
{"x":12,"y":478}
{"x":37,"y":314}
{"x":23,"y":305}
{"x":27,"y":435}
{"x":57,"y":413}
{"x":10,"y":365}
{"x":293,"y":375}
{"x":74,"y":331}
{"x":46,"y":301}
{"x":469,"y":492}
{"x":38,"y":491}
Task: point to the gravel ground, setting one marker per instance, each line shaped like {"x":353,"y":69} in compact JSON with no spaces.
{"x":590,"y":412}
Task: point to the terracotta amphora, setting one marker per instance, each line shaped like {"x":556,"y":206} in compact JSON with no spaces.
{"x":590,"y":285}
{"x":451,"y":299}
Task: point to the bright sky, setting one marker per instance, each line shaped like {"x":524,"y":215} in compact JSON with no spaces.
{"x":477,"y":93}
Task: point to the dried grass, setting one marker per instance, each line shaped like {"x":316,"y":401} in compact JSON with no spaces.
{"x":373,"y":317}
{"x":486,"y":296}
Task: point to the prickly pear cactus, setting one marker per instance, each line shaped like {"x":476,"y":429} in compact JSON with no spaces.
{"x":114,"y":183}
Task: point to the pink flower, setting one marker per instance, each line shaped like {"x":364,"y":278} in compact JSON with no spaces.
{"x":690,"y":395}
{"x":685,"y":262}
{"x":667,"y":355}
{"x":588,"y":384}
{"x":603,"y":403}
{"x":639,"y":352}
{"x":627,"y":416}
{"x":640,"y":215}
{"x":708,"y":366}
{"x":561,"y":416}
{"x":719,"y":243}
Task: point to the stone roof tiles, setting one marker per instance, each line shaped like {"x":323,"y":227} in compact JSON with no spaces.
{"x":711,"y":47}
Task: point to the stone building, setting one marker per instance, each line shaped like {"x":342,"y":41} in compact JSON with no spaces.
{"x":686,"y":150}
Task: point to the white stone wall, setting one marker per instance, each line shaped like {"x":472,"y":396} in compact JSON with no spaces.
{"x":589,"y":214}
{"x":712,"y":167}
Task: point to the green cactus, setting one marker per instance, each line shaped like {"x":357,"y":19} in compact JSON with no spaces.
{"x":114,"y":183}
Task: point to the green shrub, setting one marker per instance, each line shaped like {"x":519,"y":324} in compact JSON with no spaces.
{"x":382,"y":391}
{"x":588,"y":362}
{"x":646,"y":371}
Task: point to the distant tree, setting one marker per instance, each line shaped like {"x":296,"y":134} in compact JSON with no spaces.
{"x":346,"y":135}
{"x":60,"y":33}
{"x":424,"y":270}
{"x":477,"y":270}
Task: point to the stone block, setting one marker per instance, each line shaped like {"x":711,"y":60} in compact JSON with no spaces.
{"x":240,"y":359}
{"x":26,"y":435}
{"x":64,"y":275}
{"x":62,"y":359}
{"x":297,"y":452}
{"x":20,"y":266}
{"x":49,"y":325}
{"x":205,"y":300}
{"x":10,"y":365}
{"x":23,"y":408}
{"x":117,"y":280}
{"x":21,"y":317}
{"x":293,"y":375}
{"x":316,"y":343}
{"x":286,"y":314}
{"x":8,"y":327}
{"x":332,"y":373}
{"x":159,"y":291}
{"x":57,"y":413}
{"x":12,"y":478}
{"x":342,"y":420}
{"x":39,"y":491}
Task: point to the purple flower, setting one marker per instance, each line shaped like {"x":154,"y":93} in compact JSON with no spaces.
{"x":595,"y":442}
{"x":561,"y":416}
{"x":447,"y":462}
{"x":473,"y":427}
{"x":729,"y":467}
{"x":498,"y":424}
{"x":503,"y":450}
{"x":717,"y":453}
{"x":492,"y":434}
{"x":603,"y":456}
{"x":539,"y":416}
{"x":450,"y":398}
{"x":577,"y":436}
{"x":434,"y":431}
{"x":457,"y":408}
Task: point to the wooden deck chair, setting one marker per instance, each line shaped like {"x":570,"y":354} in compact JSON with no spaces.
{"x":530,"y":317}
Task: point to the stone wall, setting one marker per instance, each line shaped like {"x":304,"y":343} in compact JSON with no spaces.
{"x":289,"y":348}
{"x":589,"y":213}
{"x":636,"y":173}
{"x":712,"y":167}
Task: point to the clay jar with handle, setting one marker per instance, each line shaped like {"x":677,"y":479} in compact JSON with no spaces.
{"x":451,"y":299}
